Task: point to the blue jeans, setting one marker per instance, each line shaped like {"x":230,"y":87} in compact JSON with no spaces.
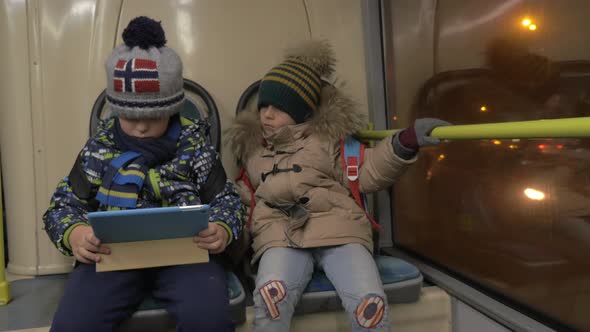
{"x":194,"y":294}
{"x":283,"y":274}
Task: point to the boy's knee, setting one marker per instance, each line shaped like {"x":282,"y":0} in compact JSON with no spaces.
{"x":196,"y":314}
{"x":76,"y":324}
{"x":370,"y":311}
{"x":219,"y":320}
{"x":271,"y":294}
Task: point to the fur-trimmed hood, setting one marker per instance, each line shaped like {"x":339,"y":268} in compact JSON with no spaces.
{"x":337,"y":116}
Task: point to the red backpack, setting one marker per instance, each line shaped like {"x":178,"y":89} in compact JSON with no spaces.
{"x":352,"y":155}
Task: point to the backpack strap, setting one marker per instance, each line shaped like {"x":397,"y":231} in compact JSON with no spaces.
{"x":243,"y":176}
{"x":352,"y":155}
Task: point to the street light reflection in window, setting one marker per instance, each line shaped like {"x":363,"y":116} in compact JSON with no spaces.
{"x":535,"y":195}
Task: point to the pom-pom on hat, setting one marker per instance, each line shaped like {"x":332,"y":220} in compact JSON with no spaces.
{"x":144,"y":77}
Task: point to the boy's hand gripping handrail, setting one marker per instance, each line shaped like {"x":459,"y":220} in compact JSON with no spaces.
{"x":554,"y":128}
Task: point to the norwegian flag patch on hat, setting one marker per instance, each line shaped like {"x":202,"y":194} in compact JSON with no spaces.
{"x":136,"y":75}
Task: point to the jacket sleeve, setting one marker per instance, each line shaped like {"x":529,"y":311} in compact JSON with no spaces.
{"x":218,"y":192}
{"x":380,"y":169}
{"x":70,"y":203}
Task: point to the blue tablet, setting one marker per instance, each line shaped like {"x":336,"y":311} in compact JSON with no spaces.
{"x":149,"y":224}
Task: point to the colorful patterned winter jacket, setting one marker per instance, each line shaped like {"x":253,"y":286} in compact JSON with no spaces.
{"x":193,"y":176}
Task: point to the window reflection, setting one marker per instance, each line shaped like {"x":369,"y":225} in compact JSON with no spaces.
{"x":512,"y":215}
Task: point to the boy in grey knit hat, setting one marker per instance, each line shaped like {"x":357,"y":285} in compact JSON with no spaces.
{"x":145,"y":155}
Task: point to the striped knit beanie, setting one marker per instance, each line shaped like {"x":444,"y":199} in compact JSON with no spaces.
{"x":144,"y":77}
{"x":295,"y":85}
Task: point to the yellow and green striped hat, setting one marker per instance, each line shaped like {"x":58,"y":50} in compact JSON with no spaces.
{"x":295,"y":85}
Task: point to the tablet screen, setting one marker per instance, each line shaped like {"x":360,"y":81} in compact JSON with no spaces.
{"x":149,"y":224}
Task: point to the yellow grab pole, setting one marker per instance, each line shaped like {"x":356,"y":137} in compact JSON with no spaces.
{"x":554,"y":128}
{"x":4,"y":290}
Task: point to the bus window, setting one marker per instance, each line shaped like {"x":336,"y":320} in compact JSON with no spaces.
{"x":509,"y":216}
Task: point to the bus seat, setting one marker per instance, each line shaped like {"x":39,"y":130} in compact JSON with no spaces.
{"x":402,"y":281}
{"x":151,"y":315}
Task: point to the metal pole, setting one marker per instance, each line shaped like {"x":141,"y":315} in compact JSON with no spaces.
{"x":4,"y":290}
{"x":555,"y":128}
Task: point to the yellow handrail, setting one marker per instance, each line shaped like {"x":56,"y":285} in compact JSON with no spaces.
{"x":4,"y":290}
{"x":554,"y":128}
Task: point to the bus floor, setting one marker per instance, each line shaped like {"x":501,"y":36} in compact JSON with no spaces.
{"x":431,"y":313}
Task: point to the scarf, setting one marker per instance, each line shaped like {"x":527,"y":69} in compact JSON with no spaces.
{"x":123,"y":179}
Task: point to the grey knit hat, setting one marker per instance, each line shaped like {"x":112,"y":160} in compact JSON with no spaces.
{"x":144,"y":77}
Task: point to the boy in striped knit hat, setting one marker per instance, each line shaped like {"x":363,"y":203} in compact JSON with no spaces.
{"x":302,"y":210}
{"x":145,"y":155}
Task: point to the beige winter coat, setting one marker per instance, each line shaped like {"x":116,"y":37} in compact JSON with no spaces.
{"x":306,"y":201}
